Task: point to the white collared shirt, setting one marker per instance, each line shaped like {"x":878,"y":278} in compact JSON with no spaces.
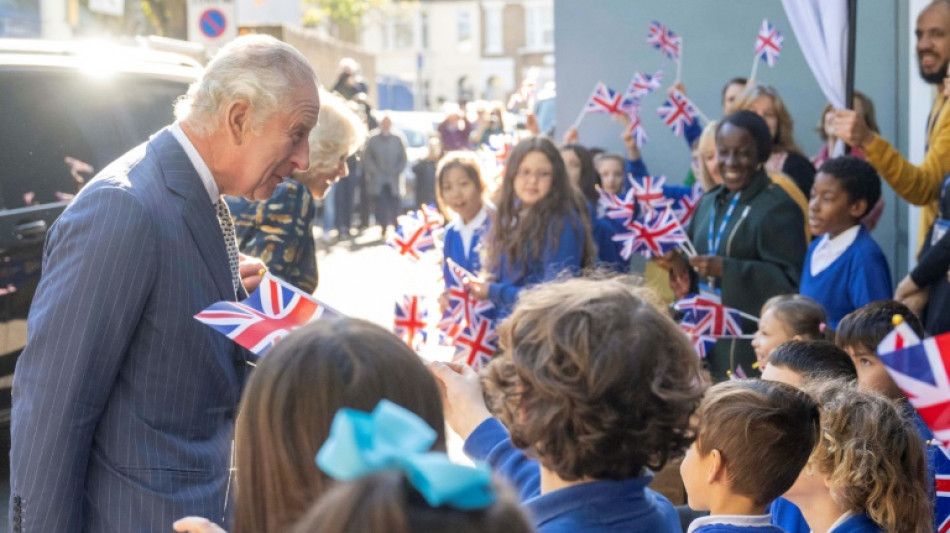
{"x":759,"y":520}
{"x":203,"y":171}
{"x":829,"y":249}
{"x":841,"y":520}
{"x":467,"y":231}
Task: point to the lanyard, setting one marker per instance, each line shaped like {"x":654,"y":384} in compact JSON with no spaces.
{"x":714,"y":243}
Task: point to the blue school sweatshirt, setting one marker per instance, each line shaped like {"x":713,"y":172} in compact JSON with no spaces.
{"x":595,"y":507}
{"x":564,"y":255}
{"x":454,"y":247}
{"x":856,"y":278}
{"x":786,"y":515}
{"x":733,"y":524}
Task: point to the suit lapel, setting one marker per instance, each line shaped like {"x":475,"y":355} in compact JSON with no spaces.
{"x":198,"y":212}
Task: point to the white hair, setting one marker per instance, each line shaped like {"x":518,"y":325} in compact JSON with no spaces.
{"x":339,"y":133}
{"x":257,"y":68}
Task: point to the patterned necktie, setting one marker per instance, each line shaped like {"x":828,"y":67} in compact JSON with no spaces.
{"x":227,"y":228}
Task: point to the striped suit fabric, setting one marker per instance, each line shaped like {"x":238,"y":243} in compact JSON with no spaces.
{"x":124,"y":405}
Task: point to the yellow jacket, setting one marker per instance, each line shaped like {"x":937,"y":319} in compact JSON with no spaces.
{"x":791,"y":188}
{"x":919,"y":185}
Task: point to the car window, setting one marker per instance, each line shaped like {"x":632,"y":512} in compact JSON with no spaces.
{"x":414,"y":138}
{"x":49,"y":116}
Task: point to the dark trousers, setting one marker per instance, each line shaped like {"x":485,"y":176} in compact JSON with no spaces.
{"x":344,"y":192}
{"x":386,"y":207}
{"x":365,"y":201}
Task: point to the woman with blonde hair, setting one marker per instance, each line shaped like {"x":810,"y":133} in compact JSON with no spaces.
{"x":279,"y":231}
{"x":786,"y":156}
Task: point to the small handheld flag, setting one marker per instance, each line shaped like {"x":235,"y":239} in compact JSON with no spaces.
{"x":410,"y":321}
{"x":476,"y":345}
{"x":686,"y":205}
{"x":605,"y":100}
{"x":659,"y":233}
{"x":706,"y":315}
{"x":648,"y":191}
{"x":768,"y":46}
{"x":663,"y":39}
{"x":678,"y":112}
{"x":636,"y":127}
{"x":269,"y":314}
{"x":643,"y":84}
{"x":940,"y":458}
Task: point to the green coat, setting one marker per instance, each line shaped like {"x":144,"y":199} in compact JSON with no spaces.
{"x":763,"y":248}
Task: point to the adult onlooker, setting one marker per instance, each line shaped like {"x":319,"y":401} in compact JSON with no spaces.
{"x":124,"y":404}
{"x":349,"y":83}
{"x":279,"y":231}
{"x":384,"y":159}
{"x":749,"y":234}
{"x":918,"y":184}
{"x":786,"y":156}
{"x":424,"y":171}
{"x":456,"y":131}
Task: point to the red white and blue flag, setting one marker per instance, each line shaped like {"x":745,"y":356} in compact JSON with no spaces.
{"x":427,"y":215}
{"x":643,"y":84}
{"x":412,"y":238}
{"x":269,"y":314}
{"x":648,"y":191}
{"x":707,"y":316}
{"x":921,"y":371}
{"x":618,"y":208}
{"x":463,"y":309}
{"x":677,"y":112}
{"x":606,"y":100}
{"x":664,"y":40}
{"x":410,"y":321}
{"x":636,"y":127}
{"x":701,"y":343}
{"x":476,"y":345}
{"x":686,"y":205}
{"x":768,"y":43}
{"x":738,"y":374}
{"x":657,"y":234}
{"x":941,"y":466}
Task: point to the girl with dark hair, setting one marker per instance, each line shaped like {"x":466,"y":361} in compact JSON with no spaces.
{"x":541,"y":226}
{"x":289,"y":404}
{"x":749,"y":234}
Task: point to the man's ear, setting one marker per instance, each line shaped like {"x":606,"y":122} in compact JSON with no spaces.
{"x":238,"y":120}
{"x":859,"y":208}
{"x":717,"y":468}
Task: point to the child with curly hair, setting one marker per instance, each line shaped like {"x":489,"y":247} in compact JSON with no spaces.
{"x":869,"y":470}
{"x":598,"y":387}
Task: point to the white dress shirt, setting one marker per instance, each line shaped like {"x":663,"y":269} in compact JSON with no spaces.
{"x":203,"y":171}
{"x":829,"y":249}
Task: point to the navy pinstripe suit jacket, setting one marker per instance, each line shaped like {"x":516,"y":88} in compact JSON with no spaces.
{"x":123,"y":403}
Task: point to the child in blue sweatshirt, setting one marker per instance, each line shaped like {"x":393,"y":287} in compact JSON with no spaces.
{"x":754,"y":437}
{"x":598,"y":387}
{"x":868,"y":472}
{"x":844,"y":269}
{"x":540,"y":229}
{"x":460,"y":190}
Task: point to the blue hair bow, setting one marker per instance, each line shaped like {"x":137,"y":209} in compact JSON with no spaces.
{"x":393,"y":438}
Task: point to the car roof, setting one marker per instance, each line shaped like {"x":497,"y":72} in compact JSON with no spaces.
{"x":98,"y":56}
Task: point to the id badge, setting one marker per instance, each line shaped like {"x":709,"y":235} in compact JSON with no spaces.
{"x":941,"y":225}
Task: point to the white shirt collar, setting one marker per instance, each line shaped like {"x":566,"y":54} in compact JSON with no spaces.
{"x":203,"y":171}
{"x":841,"y":520}
{"x":828,"y":249}
{"x":467,"y":231}
{"x":731,"y":520}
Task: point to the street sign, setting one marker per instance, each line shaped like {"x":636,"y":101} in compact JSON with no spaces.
{"x":212,"y":22}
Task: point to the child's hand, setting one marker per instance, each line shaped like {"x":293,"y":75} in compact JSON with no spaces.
{"x":196,"y":524}
{"x":443,"y":302}
{"x":678,"y":86}
{"x":477,"y":288}
{"x":571,"y":136}
{"x":462,"y":398}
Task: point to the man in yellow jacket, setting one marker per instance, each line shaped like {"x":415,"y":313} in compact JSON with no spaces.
{"x":918,"y":184}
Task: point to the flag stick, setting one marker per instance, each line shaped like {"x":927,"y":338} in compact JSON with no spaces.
{"x":580,"y":117}
{"x":747,"y":316}
{"x":687,"y":249}
{"x":755,"y":67}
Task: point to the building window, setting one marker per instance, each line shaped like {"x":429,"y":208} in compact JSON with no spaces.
{"x":539,"y":25}
{"x":494,"y":27}
{"x":403,"y":34}
{"x":424,"y":30}
{"x":464,"y":19}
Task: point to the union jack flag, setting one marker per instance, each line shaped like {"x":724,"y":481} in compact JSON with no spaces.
{"x":648,"y":191}
{"x":463,"y":308}
{"x":643,"y":84}
{"x":410,"y":321}
{"x":620,"y":208}
{"x":701,"y":343}
{"x":686,"y":205}
{"x":636,"y":127}
{"x":768,"y":43}
{"x":941,"y":465}
{"x":900,"y":337}
{"x":449,"y":327}
{"x":412,"y":238}
{"x":657,"y":234}
{"x":476,"y":345}
{"x":606,"y":100}
{"x":677,"y":112}
{"x":738,"y":374}
{"x":920,"y":370}
{"x":664,"y":40}
{"x":709,"y":317}
{"x":427,"y":215}
{"x":269,"y":314}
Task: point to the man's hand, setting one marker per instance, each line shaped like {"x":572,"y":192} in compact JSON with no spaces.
{"x":707,"y":265}
{"x":462,"y":398}
{"x":851,"y":128}
{"x":252,"y":270}
{"x":196,"y":524}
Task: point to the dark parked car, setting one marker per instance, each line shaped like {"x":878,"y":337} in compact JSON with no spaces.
{"x":66,"y":111}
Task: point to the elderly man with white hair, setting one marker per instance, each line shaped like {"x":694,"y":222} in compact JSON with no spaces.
{"x":279,"y":231}
{"x":124,"y":405}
